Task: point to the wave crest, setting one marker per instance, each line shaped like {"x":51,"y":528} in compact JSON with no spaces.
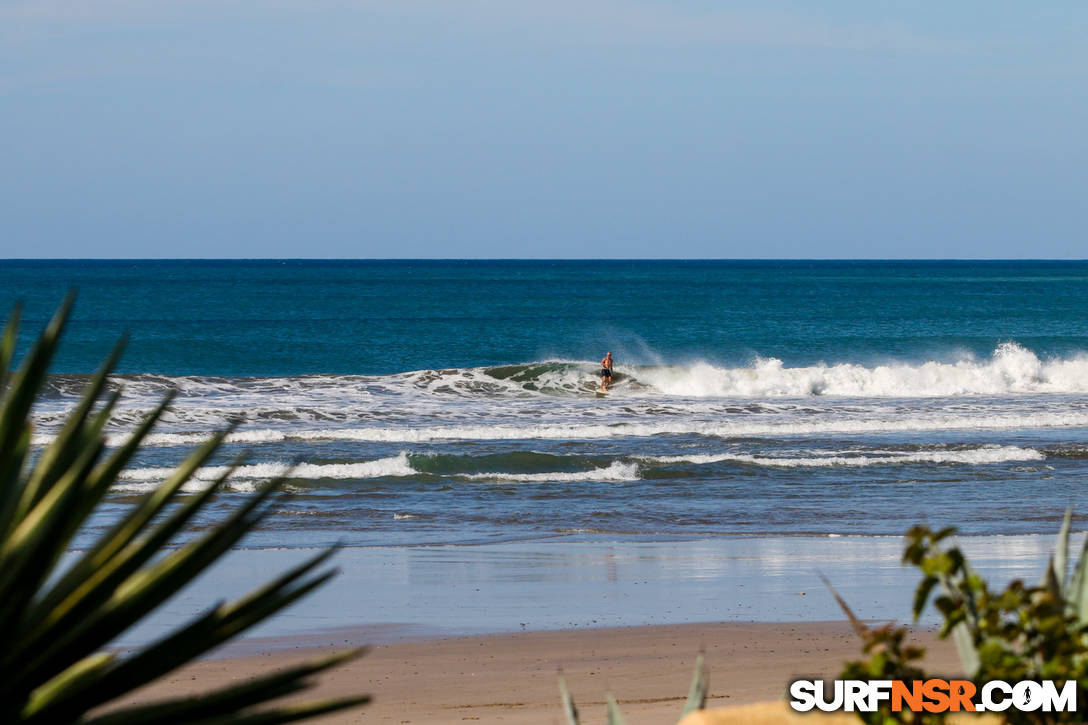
{"x":974,"y":456}
{"x":1011,"y":369}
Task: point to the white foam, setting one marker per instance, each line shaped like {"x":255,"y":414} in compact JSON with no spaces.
{"x":182,"y":439}
{"x":741,"y":427}
{"x":137,"y":484}
{"x":616,"y":472}
{"x":725,"y":426}
{"x":1011,"y":369}
{"x":976,"y":456}
{"x":394,"y":466}
{"x":1012,"y":389}
{"x":245,"y":436}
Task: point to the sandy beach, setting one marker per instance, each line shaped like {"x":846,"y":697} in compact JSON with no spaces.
{"x":479,"y":633}
{"x":511,"y":678}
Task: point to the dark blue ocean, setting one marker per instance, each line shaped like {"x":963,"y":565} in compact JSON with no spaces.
{"x":453,"y":401}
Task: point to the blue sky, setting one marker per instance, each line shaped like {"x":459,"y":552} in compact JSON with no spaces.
{"x":567,"y":128}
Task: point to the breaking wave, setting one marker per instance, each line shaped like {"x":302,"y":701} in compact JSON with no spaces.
{"x":1011,"y":369}
{"x":553,"y":400}
{"x":401,"y":465}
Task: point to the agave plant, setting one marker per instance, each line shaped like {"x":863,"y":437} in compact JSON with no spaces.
{"x":697,"y":693}
{"x":58,"y":619}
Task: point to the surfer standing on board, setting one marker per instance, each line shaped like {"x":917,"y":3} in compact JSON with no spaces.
{"x":606,"y":371}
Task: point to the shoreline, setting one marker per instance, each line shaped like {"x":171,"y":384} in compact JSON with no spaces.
{"x":512,"y":678}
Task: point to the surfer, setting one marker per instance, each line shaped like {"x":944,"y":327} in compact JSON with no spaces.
{"x":606,"y":371}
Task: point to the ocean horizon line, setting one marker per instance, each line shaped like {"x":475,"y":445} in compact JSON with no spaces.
{"x":830,"y":260}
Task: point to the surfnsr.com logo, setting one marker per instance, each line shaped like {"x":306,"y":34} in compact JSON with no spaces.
{"x":933,"y":695}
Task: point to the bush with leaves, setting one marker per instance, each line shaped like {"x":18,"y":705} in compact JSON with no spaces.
{"x":1019,"y":633}
{"x":57,"y":622}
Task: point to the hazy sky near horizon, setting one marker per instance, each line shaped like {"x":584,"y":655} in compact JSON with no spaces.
{"x":566,"y":128}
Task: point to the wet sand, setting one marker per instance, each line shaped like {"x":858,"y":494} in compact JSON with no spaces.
{"x":511,"y":678}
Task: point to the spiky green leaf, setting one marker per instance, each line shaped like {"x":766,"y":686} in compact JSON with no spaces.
{"x":615,"y":717}
{"x":569,"y":708}
{"x":1061,"y":553}
{"x":700,"y":687}
{"x":1077,"y":597}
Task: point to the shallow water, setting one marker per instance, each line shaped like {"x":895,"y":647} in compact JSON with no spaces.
{"x":390,"y":593}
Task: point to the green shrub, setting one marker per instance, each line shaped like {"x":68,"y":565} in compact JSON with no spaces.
{"x":1019,"y":633}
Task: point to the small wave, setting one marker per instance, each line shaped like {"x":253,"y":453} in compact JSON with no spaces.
{"x":617,"y":472}
{"x":140,"y":485}
{"x":1068,"y":452}
{"x":186,"y":439}
{"x":977,"y":456}
{"x":394,"y":466}
{"x":509,"y":462}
